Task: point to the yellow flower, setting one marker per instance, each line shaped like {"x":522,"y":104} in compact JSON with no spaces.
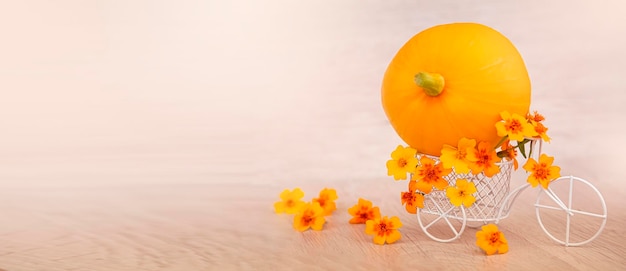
{"x":462,"y":193}
{"x":363,"y":211}
{"x":491,"y":240}
{"x":412,"y":199}
{"x":487,"y":158}
{"x":514,"y":126}
{"x":384,"y":229}
{"x":327,"y":200}
{"x":459,"y":158}
{"x":510,"y":152}
{"x":427,"y":175}
{"x":310,"y":216}
{"x":291,"y":201}
{"x":542,"y":172}
{"x":402,"y":161}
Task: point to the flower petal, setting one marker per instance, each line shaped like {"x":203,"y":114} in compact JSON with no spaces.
{"x":424,"y":186}
{"x":375,"y":213}
{"x":393,"y":236}
{"x":298,"y":224}
{"x":279,"y":207}
{"x":468,"y":201}
{"x":530,"y":165}
{"x":379,"y":239}
{"x":370,"y":226}
{"x":318,"y":223}
{"x":395,"y":222}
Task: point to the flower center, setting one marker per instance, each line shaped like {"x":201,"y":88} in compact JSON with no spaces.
{"x":460,"y":154}
{"x":402,"y":162}
{"x":382,"y":228}
{"x":514,"y":126}
{"x":307,"y":218}
{"x":541,"y":173}
{"x":290,"y":203}
{"x":408,"y":197}
{"x":494,"y":238}
{"x":430,"y":173}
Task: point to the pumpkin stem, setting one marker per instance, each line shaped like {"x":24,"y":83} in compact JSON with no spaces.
{"x":431,"y":83}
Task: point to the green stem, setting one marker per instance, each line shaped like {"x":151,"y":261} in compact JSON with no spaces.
{"x":520,"y":146}
{"x":431,"y":83}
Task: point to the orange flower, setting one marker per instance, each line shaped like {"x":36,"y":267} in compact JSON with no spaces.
{"x":402,"y":161}
{"x":542,"y":172}
{"x":514,"y":126}
{"x":510,"y":152}
{"x":363,"y":211}
{"x":459,"y":158}
{"x":462,"y":193}
{"x":536,"y":117}
{"x":327,"y":200}
{"x":541,"y":130}
{"x":491,"y":240}
{"x":311,"y":216}
{"x":291,"y":201}
{"x":487,"y":158}
{"x":412,"y":199}
{"x":384,"y":230}
{"x":427,"y":175}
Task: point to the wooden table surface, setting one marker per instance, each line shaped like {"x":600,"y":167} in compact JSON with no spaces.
{"x":156,"y":135}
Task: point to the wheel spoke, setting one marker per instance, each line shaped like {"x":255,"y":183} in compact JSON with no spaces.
{"x":442,"y":214}
{"x":445,"y":217}
{"x":549,"y":207}
{"x":571,"y":211}
{"x":568,"y":221}
{"x":557,"y":200}
{"x":588,"y":213}
{"x":452,"y":227}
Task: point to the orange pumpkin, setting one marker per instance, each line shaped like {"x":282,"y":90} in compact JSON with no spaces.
{"x":452,"y":81}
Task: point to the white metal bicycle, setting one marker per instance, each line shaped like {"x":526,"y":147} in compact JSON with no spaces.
{"x":444,"y":222}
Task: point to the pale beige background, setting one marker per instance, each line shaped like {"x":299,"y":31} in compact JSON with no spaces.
{"x":156,"y":135}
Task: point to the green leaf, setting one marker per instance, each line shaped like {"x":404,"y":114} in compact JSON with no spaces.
{"x":521,"y":146}
{"x":501,"y":141}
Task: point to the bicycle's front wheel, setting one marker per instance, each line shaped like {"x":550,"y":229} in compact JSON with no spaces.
{"x":574,"y":206}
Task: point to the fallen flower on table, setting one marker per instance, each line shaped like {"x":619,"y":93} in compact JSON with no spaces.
{"x":462,"y":193}
{"x":542,"y":172}
{"x":363,"y":211}
{"x":326,"y":200}
{"x":402,"y":161}
{"x":385,"y":230}
{"x":310,"y":216}
{"x":491,"y":240}
{"x":291,"y":201}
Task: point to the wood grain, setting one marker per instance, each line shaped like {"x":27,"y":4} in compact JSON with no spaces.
{"x":156,"y":135}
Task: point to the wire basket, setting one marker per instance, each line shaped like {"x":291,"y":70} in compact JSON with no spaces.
{"x":491,"y":195}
